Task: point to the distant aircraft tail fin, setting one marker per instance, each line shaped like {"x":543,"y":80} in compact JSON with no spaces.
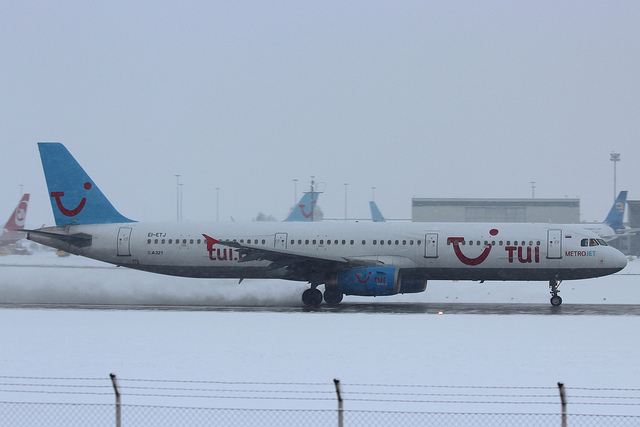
{"x":303,"y":211}
{"x":616,"y":214}
{"x":376,"y":215}
{"x":75,"y":198}
{"x":19,"y":215}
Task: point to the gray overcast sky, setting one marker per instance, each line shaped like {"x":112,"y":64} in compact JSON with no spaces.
{"x":424,"y":99}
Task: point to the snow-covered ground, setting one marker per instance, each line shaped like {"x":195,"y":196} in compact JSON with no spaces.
{"x":314,"y":347}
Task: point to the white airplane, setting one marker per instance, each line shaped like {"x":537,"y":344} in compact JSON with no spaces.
{"x":612,"y":226}
{"x":10,"y":232}
{"x":352,"y":258}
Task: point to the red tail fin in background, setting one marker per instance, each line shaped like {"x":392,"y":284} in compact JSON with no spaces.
{"x":17,"y":218}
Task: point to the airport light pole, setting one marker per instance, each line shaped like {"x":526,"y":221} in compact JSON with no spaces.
{"x":373,"y":194}
{"x":181,"y":202}
{"x":345,"y":200}
{"x":217,"y":204}
{"x":178,"y":198}
{"x":615,"y":158}
{"x":533,"y":189}
{"x":295,"y":192}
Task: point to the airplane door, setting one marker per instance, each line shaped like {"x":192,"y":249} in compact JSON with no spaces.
{"x":554,"y":244}
{"x":431,"y":245}
{"x":280,"y":241}
{"x":124,"y":241}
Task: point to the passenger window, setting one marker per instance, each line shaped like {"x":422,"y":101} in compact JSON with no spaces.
{"x":364,"y":242}
{"x":149,"y":241}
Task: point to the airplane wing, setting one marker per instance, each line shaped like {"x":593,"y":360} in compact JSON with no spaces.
{"x":296,"y":262}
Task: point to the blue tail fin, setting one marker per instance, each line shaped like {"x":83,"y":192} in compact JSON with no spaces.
{"x":376,"y":215}
{"x":616,"y":214}
{"x":303,"y":211}
{"x":75,"y":198}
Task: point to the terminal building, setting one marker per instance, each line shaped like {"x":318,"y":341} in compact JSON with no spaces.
{"x":558,"y":211}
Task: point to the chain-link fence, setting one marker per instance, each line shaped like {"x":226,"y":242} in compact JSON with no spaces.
{"x":92,"y":402}
{"x":71,"y":415}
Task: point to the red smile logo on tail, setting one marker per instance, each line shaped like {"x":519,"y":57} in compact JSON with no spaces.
{"x":304,"y":214}
{"x":465,"y":259}
{"x":70,"y":212}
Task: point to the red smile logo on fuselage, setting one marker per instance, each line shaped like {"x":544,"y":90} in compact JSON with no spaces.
{"x":465,"y":259}
{"x":70,"y":212}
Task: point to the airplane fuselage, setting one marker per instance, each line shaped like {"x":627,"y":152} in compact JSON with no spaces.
{"x":431,"y":251}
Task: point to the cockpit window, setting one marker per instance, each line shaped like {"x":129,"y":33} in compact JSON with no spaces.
{"x":593,"y":242}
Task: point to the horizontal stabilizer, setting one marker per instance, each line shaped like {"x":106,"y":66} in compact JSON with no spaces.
{"x":80,"y":240}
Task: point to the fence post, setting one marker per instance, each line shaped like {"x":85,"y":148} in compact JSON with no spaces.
{"x":115,"y":388}
{"x":563,"y":401}
{"x":337,"y":383}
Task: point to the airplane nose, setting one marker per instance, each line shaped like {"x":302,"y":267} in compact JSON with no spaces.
{"x":619,"y":260}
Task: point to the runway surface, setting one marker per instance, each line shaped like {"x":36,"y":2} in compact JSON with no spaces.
{"x":366,"y":308}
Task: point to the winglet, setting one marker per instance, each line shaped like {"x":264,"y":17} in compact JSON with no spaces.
{"x":75,"y":198}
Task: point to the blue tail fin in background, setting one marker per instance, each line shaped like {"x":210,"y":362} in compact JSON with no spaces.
{"x":376,"y":215}
{"x":303,"y":211}
{"x":75,"y":198}
{"x":616,"y":214}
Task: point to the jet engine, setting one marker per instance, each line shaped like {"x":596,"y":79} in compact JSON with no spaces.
{"x":369,"y":281}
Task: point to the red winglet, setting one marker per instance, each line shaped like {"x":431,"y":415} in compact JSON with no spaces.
{"x":210,"y":242}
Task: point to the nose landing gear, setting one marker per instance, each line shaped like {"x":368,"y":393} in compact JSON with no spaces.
{"x":554,"y":284}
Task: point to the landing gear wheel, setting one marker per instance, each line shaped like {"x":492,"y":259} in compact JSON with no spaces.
{"x":553,"y":288}
{"x":312,"y":298}
{"x":333,"y":296}
{"x":556,"y":301}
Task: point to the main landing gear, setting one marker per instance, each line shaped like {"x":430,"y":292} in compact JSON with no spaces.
{"x":312,"y":297}
{"x":553,"y":288}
